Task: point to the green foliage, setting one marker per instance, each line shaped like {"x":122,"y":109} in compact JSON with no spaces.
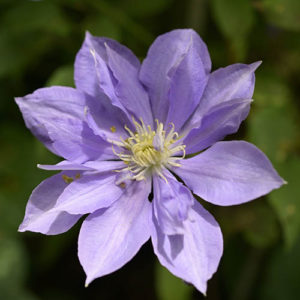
{"x":13,"y":260}
{"x":283,"y":13}
{"x":234,"y":19}
{"x":169,"y":287}
{"x":62,"y":76}
{"x":103,"y":27}
{"x":273,"y":128}
{"x":281,"y":280}
{"x":143,"y":8}
{"x":26,"y":31}
{"x":286,"y":200}
{"x":263,"y":230}
{"x":40,"y":16}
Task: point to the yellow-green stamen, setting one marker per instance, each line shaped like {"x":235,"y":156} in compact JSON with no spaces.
{"x":148,"y":151}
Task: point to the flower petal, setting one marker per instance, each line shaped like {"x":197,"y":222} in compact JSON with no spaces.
{"x":103,"y":166}
{"x":40,"y":216}
{"x":64,"y":165}
{"x":92,"y":74}
{"x":129,"y":90}
{"x":225,"y":84}
{"x":76,"y":141}
{"x":174,"y":51}
{"x":50,"y":102}
{"x":188,"y":80}
{"x":171,"y":203}
{"x":109,"y":238}
{"x":90,"y":193}
{"x":105,"y":119}
{"x":56,"y":116}
{"x":193,"y":256}
{"x":223,"y":119}
{"x":104,"y":65}
{"x":233,"y":82}
{"x":96,"y":165}
{"x":229,"y":173}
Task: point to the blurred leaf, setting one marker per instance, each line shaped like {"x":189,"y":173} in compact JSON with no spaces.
{"x":272,"y":126}
{"x":11,"y":214}
{"x":15,"y":293}
{"x":11,"y":55}
{"x":281,"y":278}
{"x":103,"y":27}
{"x":12,"y":262}
{"x":264,"y":230}
{"x":142,"y":8}
{"x":29,"y":16}
{"x":273,"y":129}
{"x":270,"y":90}
{"x":286,"y":200}
{"x":289,"y":58}
{"x":283,"y":13}
{"x":26,"y":31}
{"x":119,"y":16}
{"x":234,"y":19}
{"x":256,"y":221}
{"x":169,"y":287}
{"x":62,"y":76}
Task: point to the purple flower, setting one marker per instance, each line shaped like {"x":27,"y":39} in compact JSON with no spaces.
{"x":129,"y":129}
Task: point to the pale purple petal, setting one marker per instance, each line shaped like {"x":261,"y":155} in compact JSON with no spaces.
{"x":76,"y":141}
{"x":225,"y":84}
{"x":64,"y":165}
{"x":233,"y":82}
{"x":56,"y":116}
{"x":45,"y":104}
{"x":193,"y":256}
{"x":109,"y":238}
{"x":129,"y":90}
{"x":105,"y":65}
{"x":171,"y":203}
{"x":40,"y":216}
{"x":164,"y":56}
{"x":223,"y":119}
{"x":96,"y":165}
{"x":229,"y":173}
{"x":92,"y":74}
{"x":103,"y":166}
{"x":90,"y":193}
{"x":105,"y":119}
{"x":188,"y":80}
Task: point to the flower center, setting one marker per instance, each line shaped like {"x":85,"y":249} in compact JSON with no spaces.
{"x":148,"y":151}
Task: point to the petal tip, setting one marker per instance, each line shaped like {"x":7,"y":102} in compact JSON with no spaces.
{"x":88,"y":34}
{"x":88,"y":281}
{"x":22,"y":228}
{"x":255,"y":65}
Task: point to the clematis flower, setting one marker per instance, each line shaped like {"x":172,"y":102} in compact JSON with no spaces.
{"x":132,"y":130}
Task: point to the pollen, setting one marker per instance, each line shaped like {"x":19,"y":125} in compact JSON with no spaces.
{"x":67,"y":179}
{"x":113,"y":129}
{"x":146,"y":151}
{"x":122,"y":185}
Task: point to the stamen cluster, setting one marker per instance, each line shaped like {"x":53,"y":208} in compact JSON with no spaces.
{"x":146,"y":151}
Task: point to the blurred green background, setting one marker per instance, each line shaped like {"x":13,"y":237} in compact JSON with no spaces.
{"x":38,"y":44}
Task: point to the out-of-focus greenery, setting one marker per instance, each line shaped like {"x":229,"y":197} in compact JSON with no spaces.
{"x":38,"y":44}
